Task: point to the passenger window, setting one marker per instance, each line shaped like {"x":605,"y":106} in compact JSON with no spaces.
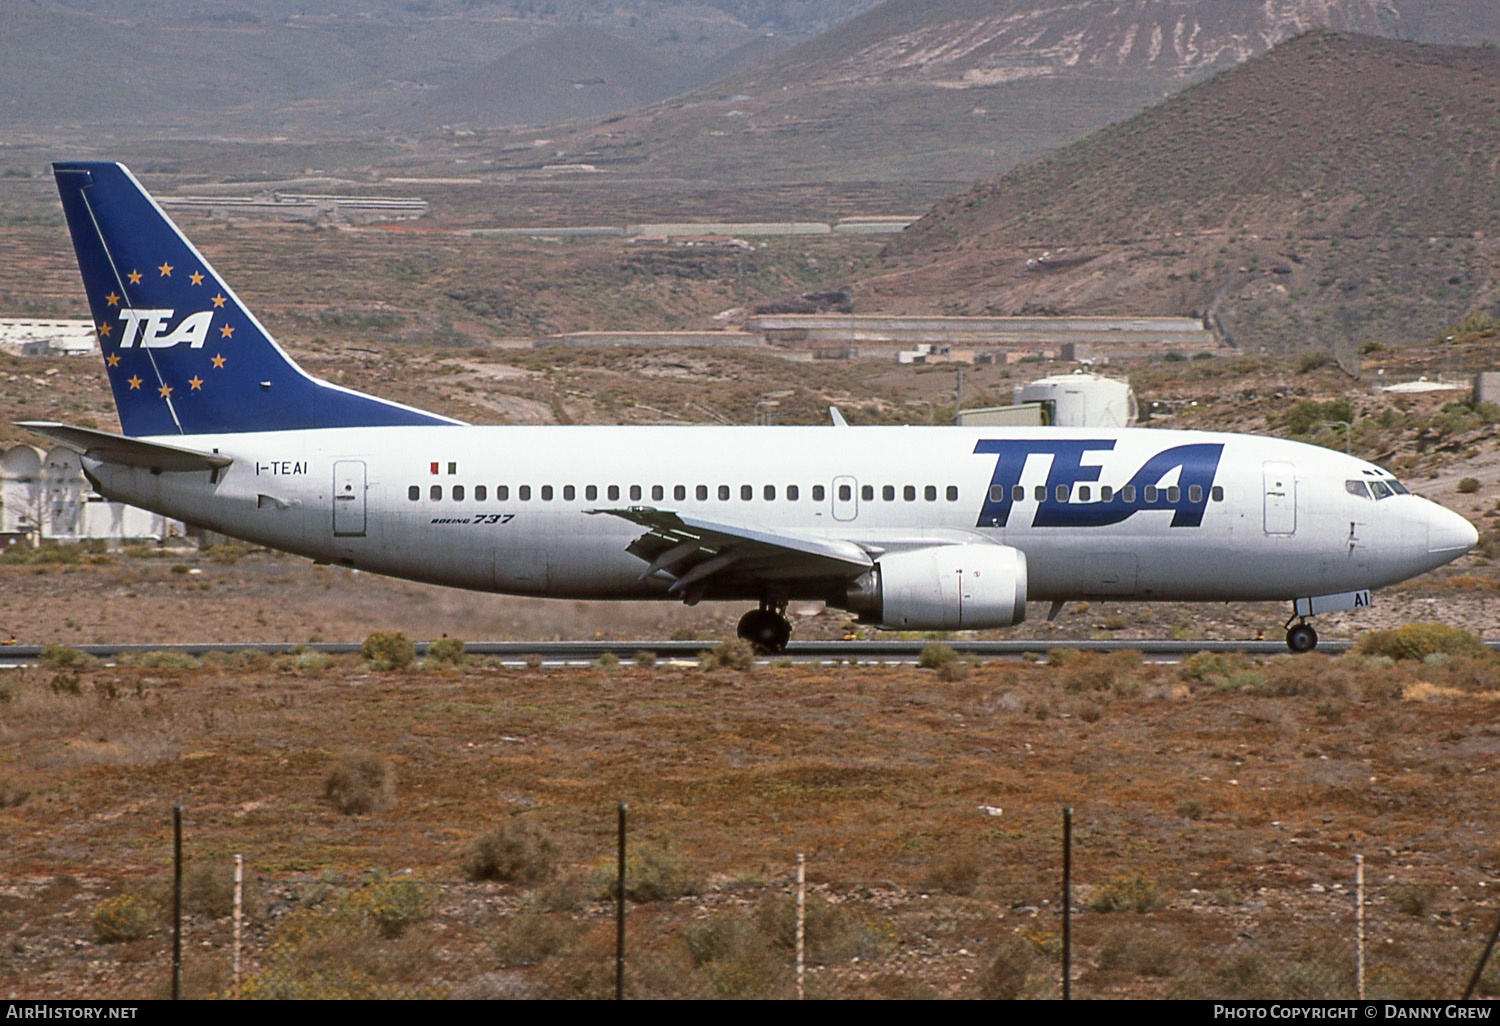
{"x":723,"y":493}
{"x":658,"y":493}
{"x":888,"y":493}
{"x":591,"y":492}
{"x":746,"y":493}
{"x":635,"y":493}
{"x":1128,"y":493}
{"x":1195,"y":493}
{"x":701,"y":492}
{"x":1062,"y":493}
{"x":791,"y":493}
{"x":1216,"y":493}
{"x":1357,"y":488}
{"x":1173,"y":493}
{"x":1106,"y":493}
{"x":845,"y":493}
{"x":769,"y":492}
{"x":569,"y":493}
{"x":679,"y":492}
{"x":614,"y":493}
{"x":997,"y":493}
{"x":458,"y":493}
{"x":909,"y":493}
{"x":1018,"y":493}
{"x":481,"y":493}
{"x":953,"y":493}
{"x":1150,"y":493}
{"x":867,"y":492}
{"x":930,"y":493}
{"x":436,"y":493}
{"x":1083,"y":493}
{"x":524,"y":493}
{"x":414,"y":492}
{"x":1040,"y":491}
{"x":546,"y":493}
{"x":819,"y":493}
{"x":502,"y":493}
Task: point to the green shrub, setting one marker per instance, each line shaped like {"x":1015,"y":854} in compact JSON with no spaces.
{"x":934,"y":654}
{"x":1468,"y":485}
{"x":954,"y":873}
{"x":389,"y":650}
{"x":530,"y":937}
{"x":63,"y":656}
{"x":513,"y":853}
{"x":360,"y":783}
{"x":1420,"y":640}
{"x":645,"y":658}
{"x":127,"y":917}
{"x":832,"y":932}
{"x":954,"y":671}
{"x":608,"y":661}
{"x":443,"y":650}
{"x":393,"y":905}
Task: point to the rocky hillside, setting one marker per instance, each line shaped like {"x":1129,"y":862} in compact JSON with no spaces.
{"x":1336,"y":190}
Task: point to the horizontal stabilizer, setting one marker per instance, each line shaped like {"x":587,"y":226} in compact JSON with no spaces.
{"x":128,"y":452}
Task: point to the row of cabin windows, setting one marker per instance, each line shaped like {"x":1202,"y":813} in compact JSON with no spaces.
{"x":679,"y":493}
{"x":1085,"y":493}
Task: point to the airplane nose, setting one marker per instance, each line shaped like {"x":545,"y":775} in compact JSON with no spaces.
{"x":1449,"y":534}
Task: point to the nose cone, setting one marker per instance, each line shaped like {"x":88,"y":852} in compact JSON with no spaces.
{"x":1449,"y":534}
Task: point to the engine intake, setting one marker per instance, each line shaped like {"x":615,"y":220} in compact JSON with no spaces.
{"x":943,"y":588}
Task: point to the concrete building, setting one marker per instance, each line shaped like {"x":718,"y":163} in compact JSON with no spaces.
{"x":48,"y":338}
{"x":45,"y":497}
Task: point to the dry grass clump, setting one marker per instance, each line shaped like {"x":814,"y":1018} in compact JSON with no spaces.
{"x":1013,"y":969}
{"x":393,"y":905}
{"x":388,"y":650}
{"x":208,"y":890}
{"x":1420,"y":641}
{"x":735,"y":654}
{"x":361,"y":783}
{"x":833,"y":932}
{"x":1138,"y":952}
{"x":513,"y":853}
{"x":1129,"y":894}
{"x":528,"y":938}
{"x":652,"y":873}
{"x":737,"y":958}
{"x":1114,"y":672}
{"x":955,"y":873}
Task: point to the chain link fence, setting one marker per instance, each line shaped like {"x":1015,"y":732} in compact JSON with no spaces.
{"x":398,"y":936}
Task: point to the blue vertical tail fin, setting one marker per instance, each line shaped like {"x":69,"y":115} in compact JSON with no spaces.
{"x":183,"y":354}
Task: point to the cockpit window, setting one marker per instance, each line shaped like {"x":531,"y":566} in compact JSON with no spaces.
{"x":1357,"y":488}
{"x":1380,"y":490}
{"x":1397,"y":487}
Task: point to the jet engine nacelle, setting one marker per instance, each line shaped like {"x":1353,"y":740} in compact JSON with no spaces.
{"x":943,"y":588}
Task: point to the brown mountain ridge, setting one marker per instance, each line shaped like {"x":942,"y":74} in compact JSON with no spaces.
{"x":1336,"y":190}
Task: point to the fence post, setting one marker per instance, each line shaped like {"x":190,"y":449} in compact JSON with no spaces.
{"x":239,"y":918}
{"x":176,"y":902}
{"x":620,"y":913}
{"x":801,"y":918}
{"x":1067,"y":911}
{"x":1483,"y":959}
{"x":1359,"y":926}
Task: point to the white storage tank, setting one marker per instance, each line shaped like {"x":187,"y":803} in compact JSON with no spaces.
{"x":1082,"y":400}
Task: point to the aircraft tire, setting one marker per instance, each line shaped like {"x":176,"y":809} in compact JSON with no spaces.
{"x":1301,"y":638}
{"x":765,"y":630}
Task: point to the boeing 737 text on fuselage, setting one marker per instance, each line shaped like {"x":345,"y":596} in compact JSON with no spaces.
{"x":909,"y":528}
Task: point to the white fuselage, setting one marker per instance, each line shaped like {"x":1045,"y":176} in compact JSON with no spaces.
{"x":1274,"y":519}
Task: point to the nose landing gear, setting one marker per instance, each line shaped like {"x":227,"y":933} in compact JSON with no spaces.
{"x":766,"y":628}
{"x":1301,"y":638}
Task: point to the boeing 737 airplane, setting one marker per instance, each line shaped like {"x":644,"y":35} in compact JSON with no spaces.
{"x":910,"y":528}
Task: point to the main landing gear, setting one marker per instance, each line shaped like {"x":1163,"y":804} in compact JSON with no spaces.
{"x":766,"y":628}
{"x":1301,"y":638}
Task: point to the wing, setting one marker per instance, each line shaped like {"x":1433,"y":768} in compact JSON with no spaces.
{"x":698,"y":554}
